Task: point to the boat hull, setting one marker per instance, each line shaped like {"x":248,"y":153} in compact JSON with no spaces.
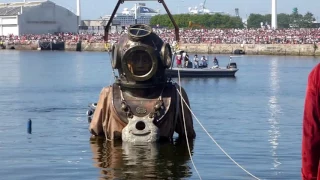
{"x":188,"y":72}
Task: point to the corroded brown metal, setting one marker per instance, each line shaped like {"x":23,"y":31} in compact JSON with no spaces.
{"x":143,"y":104}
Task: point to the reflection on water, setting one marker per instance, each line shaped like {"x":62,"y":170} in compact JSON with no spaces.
{"x":117,"y":159}
{"x":274,"y":109}
{"x":11,"y":75}
{"x":54,"y":89}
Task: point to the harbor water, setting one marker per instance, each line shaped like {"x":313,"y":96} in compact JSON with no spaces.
{"x":256,"y":117}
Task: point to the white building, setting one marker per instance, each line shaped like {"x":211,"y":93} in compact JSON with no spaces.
{"x":36,"y":17}
{"x":139,"y":11}
{"x":203,"y":10}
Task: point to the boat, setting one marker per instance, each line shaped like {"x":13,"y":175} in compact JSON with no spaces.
{"x":215,"y":71}
{"x":239,"y":51}
{"x":206,"y":72}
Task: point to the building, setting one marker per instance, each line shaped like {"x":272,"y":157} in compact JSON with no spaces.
{"x":97,"y":26}
{"x":36,"y":17}
{"x":127,"y":17}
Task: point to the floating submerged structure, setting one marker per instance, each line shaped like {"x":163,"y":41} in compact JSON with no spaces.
{"x":143,"y":104}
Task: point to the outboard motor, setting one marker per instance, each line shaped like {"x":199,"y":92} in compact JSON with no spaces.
{"x":232,"y":65}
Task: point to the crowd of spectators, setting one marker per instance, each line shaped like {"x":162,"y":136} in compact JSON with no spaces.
{"x":244,"y":36}
{"x":57,"y":37}
{"x":197,"y":36}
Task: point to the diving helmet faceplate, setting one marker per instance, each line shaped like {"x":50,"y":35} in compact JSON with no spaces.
{"x":141,"y":57}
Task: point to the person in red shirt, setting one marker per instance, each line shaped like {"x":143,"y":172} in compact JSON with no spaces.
{"x":179,"y":60}
{"x":311,"y":128}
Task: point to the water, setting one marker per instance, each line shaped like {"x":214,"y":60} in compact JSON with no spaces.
{"x":256,"y":117}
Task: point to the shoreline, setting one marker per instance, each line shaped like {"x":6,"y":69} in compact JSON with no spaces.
{"x":249,"y":49}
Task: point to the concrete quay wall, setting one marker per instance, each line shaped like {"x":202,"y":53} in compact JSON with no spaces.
{"x":251,"y":49}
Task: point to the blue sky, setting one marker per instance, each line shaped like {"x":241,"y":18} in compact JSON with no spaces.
{"x":93,"y":9}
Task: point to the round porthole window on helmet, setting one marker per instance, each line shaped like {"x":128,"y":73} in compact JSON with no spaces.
{"x":140,"y":63}
{"x":166,"y":55}
{"x":115,"y":59}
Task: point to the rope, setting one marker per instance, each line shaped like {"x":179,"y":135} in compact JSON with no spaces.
{"x":87,"y":45}
{"x":215,"y":140}
{"x":185,"y":128}
{"x":113,"y":72}
{"x":107,"y":46}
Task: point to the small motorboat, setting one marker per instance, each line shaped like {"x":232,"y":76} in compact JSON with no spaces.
{"x":215,"y":71}
{"x":239,"y":51}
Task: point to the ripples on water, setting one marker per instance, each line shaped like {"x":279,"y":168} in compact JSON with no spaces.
{"x":141,"y":161}
{"x":256,"y":117}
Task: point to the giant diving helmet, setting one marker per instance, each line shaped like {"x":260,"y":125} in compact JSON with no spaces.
{"x":141,"y":58}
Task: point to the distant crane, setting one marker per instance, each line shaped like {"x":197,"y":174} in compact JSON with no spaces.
{"x":204,"y":4}
{"x":237,"y":12}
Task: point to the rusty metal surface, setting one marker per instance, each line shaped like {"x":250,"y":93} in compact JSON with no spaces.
{"x":141,"y":106}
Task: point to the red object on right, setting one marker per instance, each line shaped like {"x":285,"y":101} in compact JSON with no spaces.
{"x":311,"y":128}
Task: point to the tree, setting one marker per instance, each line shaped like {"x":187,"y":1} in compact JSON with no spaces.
{"x":225,"y":21}
{"x":255,"y":20}
{"x":206,"y":20}
{"x":283,"y":20}
{"x":307,"y":20}
{"x":294,"y":20}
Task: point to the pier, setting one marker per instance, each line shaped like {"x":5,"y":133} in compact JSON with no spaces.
{"x":203,"y":48}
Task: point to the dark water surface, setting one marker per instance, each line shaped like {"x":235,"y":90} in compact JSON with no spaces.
{"x":256,"y":117}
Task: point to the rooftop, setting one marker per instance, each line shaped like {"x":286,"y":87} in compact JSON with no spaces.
{"x":14,"y":8}
{"x":10,"y":11}
{"x":20,"y":4}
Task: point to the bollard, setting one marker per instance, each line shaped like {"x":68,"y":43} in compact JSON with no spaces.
{"x":29,"y":126}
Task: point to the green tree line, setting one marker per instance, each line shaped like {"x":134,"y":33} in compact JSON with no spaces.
{"x":294,"y":20}
{"x":197,"y":21}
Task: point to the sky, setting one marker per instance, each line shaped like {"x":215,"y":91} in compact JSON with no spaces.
{"x":93,"y":9}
